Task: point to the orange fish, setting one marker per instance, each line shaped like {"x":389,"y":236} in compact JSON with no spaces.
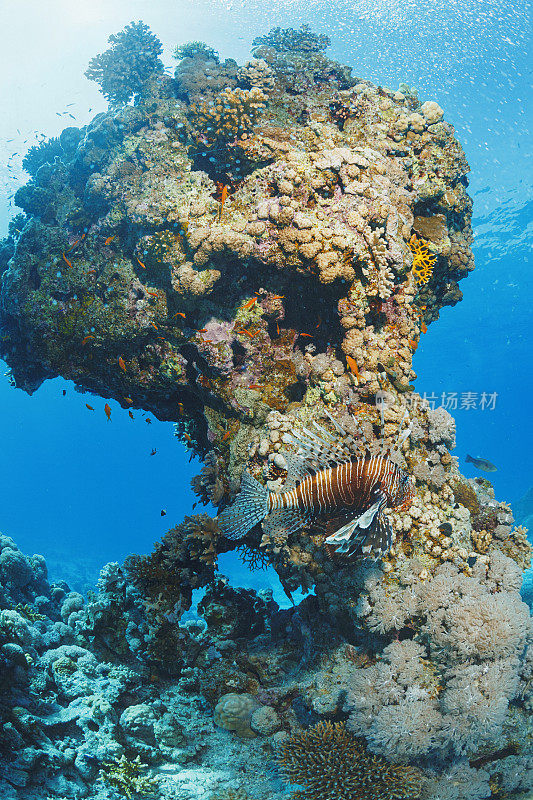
{"x":122,"y":364}
{"x":128,"y":400}
{"x":141,"y":263}
{"x":202,"y":330}
{"x":250,"y":303}
{"x":278,"y":296}
{"x":154,"y":326}
{"x":148,"y":421}
{"x":178,"y":314}
{"x":109,"y":239}
{"x":153,"y":294}
{"x":223,"y":195}
{"x":412,"y":344}
{"x":319,"y":323}
{"x":228,"y":433}
{"x":131,"y":414}
{"x":250,"y":335}
{"x":352,"y":363}
{"x":89,"y":407}
{"x":254,"y":386}
{"x":277,"y":328}
{"x":107,"y":409}
{"x":309,"y":335}
{"x":86,"y":339}
{"x":180,"y":409}
{"x":423,"y":327}
{"x":66,"y":260}
{"x":187,"y":437}
{"x":72,"y":246}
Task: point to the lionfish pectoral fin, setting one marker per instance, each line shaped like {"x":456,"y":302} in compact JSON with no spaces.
{"x":379,"y":538}
{"x":284,"y":521}
{"x":370,"y":533}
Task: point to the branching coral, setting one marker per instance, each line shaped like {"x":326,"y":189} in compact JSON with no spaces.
{"x":290,"y":39}
{"x":332,"y":764}
{"x":124,"y":69}
{"x":43,"y":153}
{"x":195,"y":49}
{"x":124,"y":776}
{"x":231,"y":114}
{"x":423,"y":261}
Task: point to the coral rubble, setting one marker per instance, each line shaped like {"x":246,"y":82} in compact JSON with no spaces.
{"x":247,"y":251}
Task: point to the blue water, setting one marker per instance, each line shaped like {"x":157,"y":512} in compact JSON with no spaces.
{"x":83,"y":490}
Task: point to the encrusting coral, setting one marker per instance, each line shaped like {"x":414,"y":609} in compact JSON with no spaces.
{"x":252,"y":251}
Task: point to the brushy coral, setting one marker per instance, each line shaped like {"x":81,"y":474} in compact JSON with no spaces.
{"x":43,"y":153}
{"x":332,"y":764}
{"x":124,"y":776}
{"x":124,"y":69}
{"x":195,"y":49}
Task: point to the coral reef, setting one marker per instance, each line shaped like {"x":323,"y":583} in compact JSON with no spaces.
{"x":251,"y":251}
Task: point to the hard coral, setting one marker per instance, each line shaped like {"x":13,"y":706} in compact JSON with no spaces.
{"x":124,"y":776}
{"x":333,"y":764}
{"x":423,"y":261}
{"x":124,"y":70}
{"x":289,"y":39}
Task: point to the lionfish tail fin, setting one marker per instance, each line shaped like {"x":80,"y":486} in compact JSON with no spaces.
{"x":250,"y":507}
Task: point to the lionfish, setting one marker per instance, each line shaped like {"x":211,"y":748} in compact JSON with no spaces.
{"x":342,"y":481}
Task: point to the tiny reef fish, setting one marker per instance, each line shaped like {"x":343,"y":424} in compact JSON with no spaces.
{"x":481,"y":463}
{"x":107,"y":409}
{"x":122,"y":364}
{"x":141,"y":263}
{"x":128,"y":400}
{"x":178,"y":314}
{"x":250,"y":303}
{"x":109,"y":239}
{"x":339,"y":481}
{"x":352,"y":363}
{"x":130,"y":413}
{"x":66,"y":260}
{"x":223,"y":195}
{"x":423,"y":327}
{"x":89,"y":407}
{"x":86,"y":339}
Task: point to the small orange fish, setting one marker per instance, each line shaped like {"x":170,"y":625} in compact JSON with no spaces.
{"x":250,"y":303}
{"x":109,"y":239}
{"x":423,"y":327}
{"x":223,"y":195}
{"x":277,"y":328}
{"x":412,"y":344}
{"x":180,"y":409}
{"x":141,"y":263}
{"x":278,"y":296}
{"x":250,"y":335}
{"x":309,"y":335}
{"x":72,"y":246}
{"x":66,"y":260}
{"x":187,"y":437}
{"x":202,"y":330}
{"x":254,"y":386}
{"x":352,"y":363}
{"x":122,"y":364}
{"x":128,"y":400}
{"x":107,"y":409}
{"x":148,"y":421}
{"x":228,"y":433}
{"x":178,"y":314}
{"x":89,"y":407}
{"x":154,"y":326}
{"x":131,"y":414}
{"x":319,"y":323}
{"x":153,"y":294}
{"x":86,"y":339}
